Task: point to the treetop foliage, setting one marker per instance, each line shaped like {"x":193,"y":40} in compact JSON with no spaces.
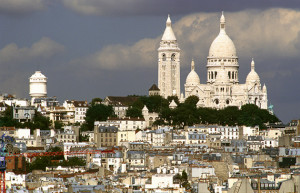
{"x":187,"y":113}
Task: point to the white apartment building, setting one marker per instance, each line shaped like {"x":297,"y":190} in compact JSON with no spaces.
{"x":227,"y":132}
{"x":127,"y":123}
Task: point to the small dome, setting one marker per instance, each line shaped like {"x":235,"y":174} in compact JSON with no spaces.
{"x":252,"y":76}
{"x":222,"y":46}
{"x":38,"y":74}
{"x":192,"y":78}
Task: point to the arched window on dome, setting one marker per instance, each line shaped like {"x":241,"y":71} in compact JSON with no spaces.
{"x":229,"y":75}
{"x":164,"y":57}
{"x":173,"y":57}
{"x":215,"y":74}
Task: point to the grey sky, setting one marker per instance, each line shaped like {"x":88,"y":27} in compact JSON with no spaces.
{"x":95,"y":48}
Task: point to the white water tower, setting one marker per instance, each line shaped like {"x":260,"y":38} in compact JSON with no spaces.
{"x":37,"y":85}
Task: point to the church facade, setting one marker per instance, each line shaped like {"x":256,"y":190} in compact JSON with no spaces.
{"x":222,"y":87}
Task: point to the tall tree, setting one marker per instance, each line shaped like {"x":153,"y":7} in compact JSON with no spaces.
{"x":134,"y":112}
{"x":192,"y":100}
{"x":97,"y":112}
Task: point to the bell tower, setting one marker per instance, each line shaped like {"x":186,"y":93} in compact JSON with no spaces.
{"x":169,"y":63}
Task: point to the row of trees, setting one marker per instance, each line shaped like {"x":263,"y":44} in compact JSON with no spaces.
{"x":186,"y":114}
{"x":40,"y":163}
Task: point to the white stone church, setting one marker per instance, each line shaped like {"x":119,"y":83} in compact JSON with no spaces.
{"x":222,"y":87}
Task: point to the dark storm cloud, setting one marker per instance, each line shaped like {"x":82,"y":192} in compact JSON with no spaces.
{"x":20,"y":7}
{"x":161,"y":7}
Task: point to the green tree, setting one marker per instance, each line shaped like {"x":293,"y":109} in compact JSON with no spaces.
{"x":6,"y":119}
{"x":58,"y":125}
{"x":155,"y":103}
{"x":96,"y":101}
{"x":134,"y":112}
{"x":182,"y":179}
{"x":192,"y":100}
{"x":229,"y":116}
{"x":97,"y":112}
{"x":83,"y":138}
{"x":40,"y":163}
{"x":185,"y":115}
{"x":40,"y":122}
{"x":175,"y":98}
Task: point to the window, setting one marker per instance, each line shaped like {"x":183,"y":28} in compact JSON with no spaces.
{"x":164,"y":57}
{"x":173,"y":57}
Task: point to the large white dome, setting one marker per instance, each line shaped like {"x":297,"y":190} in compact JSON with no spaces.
{"x":222,"y":46}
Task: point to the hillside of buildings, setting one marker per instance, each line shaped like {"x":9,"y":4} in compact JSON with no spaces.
{"x":182,"y":114}
{"x":146,"y":143}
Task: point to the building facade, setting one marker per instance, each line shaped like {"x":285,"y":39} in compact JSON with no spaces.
{"x":222,"y":88}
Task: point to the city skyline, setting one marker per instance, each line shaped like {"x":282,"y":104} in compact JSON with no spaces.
{"x":88,"y":51}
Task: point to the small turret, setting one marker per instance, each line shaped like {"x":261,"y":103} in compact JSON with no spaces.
{"x":172,"y":105}
{"x":264,"y":89}
{"x":222,"y":22}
